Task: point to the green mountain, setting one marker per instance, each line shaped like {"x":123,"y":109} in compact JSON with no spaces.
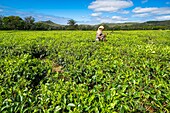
{"x":49,"y":22}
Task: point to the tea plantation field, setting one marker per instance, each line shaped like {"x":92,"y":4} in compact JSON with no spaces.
{"x":67,"y":71}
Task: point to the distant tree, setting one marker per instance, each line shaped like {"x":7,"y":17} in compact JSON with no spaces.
{"x":13,"y":23}
{"x":86,"y":27}
{"x":29,"y":22}
{"x":117,"y":27}
{"x":41,"y":26}
{"x":72,"y":24}
{"x":1,"y":24}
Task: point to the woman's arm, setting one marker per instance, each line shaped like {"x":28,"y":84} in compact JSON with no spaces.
{"x":99,"y":36}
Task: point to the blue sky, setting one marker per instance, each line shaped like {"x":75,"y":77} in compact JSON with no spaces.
{"x":88,"y":11}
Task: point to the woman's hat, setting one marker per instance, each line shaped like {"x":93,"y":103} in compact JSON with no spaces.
{"x":101,"y":27}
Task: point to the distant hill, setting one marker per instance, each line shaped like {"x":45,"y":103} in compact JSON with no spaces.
{"x":154,"y":23}
{"x":162,"y":23}
{"x":149,"y":25}
{"x":49,"y":22}
{"x":51,"y":25}
{"x":135,"y":25}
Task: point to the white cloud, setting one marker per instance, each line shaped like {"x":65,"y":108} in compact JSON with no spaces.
{"x":88,"y":22}
{"x":141,"y":15}
{"x":144,"y":1}
{"x":167,"y":17}
{"x":113,"y":19}
{"x":119,"y":18}
{"x":96,"y":14}
{"x":152,"y":10}
{"x":144,"y":10}
{"x":124,"y":12}
{"x":109,"y":5}
{"x":167,"y":2}
{"x":1,"y":10}
{"x":104,"y":20}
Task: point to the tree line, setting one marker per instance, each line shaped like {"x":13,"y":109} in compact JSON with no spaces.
{"x":28,"y":23}
{"x":17,"y":23}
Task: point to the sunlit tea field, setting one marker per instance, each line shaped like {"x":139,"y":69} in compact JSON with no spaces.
{"x":68,"y":71}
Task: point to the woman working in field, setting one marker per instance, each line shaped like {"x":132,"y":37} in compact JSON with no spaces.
{"x":100,"y":36}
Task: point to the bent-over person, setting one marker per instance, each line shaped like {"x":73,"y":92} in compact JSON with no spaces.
{"x":100,"y":36}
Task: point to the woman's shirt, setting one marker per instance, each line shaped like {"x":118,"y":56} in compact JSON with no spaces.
{"x":99,"y":33}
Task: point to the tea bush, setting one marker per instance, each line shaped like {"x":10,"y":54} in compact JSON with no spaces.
{"x":67,"y":71}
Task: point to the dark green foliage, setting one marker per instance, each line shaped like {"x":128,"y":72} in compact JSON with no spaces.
{"x":72,"y":25}
{"x":29,"y":23}
{"x":12,"y":23}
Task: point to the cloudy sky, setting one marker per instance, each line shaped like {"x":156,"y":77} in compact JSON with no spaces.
{"x":88,"y":11}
